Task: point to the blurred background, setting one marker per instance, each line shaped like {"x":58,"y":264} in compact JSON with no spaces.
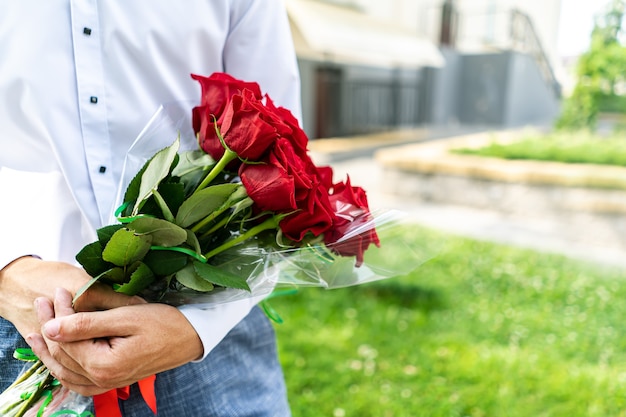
{"x":376,"y":75}
{"x":368,"y":65}
{"x":498,"y":126}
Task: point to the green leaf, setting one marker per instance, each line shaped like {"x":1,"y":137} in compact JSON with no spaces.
{"x":192,"y":241}
{"x":163,"y":232}
{"x":204,"y":202}
{"x":173,"y":193}
{"x":140,"y":278}
{"x":193,"y":161}
{"x":90,"y":257}
{"x":132,"y":192}
{"x":150,"y":208}
{"x":190,"y":279}
{"x":88,"y":285}
{"x":192,"y":179}
{"x":125,"y":247}
{"x":239,"y":195}
{"x":241,"y":206}
{"x":192,"y":168}
{"x":165,"y":262}
{"x":220,"y":277}
{"x":157,"y":169}
{"x":105,"y":233}
{"x":115,"y":275}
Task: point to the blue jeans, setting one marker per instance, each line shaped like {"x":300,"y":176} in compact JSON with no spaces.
{"x":240,"y":377}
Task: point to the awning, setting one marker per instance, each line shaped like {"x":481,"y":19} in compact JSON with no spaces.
{"x":330,"y":33}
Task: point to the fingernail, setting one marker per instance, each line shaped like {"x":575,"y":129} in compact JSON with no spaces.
{"x":51,"y":328}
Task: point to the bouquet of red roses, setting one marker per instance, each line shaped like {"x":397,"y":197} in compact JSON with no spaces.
{"x":233,"y":208}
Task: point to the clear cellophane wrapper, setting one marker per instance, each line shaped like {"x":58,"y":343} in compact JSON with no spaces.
{"x":53,"y":400}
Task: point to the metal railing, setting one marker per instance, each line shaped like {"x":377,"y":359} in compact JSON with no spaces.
{"x":524,"y":38}
{"x":366,"y":105}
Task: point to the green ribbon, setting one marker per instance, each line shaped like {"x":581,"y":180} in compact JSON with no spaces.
{"x":186,"y":251}
{"x":73,"y":413}
{"x":271,"y":311}
{"x":47,"y":394}
{"x":282,"y":292}
{"x":129,"y":219}
{"x":25,"y":354}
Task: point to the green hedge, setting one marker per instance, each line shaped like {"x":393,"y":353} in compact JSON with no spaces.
{"x":560,"y":147}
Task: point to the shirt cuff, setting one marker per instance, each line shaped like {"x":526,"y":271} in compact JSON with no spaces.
{"x":213,"y":323}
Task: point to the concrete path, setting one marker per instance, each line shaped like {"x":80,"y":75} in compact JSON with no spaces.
{"x":540,"y":234}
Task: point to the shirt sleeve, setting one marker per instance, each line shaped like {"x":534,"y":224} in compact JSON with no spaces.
{"x":259,"y":48}
{"x":47,"y":209}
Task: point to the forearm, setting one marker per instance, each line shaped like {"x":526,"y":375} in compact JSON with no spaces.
{"x":18,"y":292}
{"x":28,"y":278}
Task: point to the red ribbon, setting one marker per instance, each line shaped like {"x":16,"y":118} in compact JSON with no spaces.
{"x":107,"y":404}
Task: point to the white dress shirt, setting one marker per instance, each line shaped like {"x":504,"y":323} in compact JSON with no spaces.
{"x":79,"y":79}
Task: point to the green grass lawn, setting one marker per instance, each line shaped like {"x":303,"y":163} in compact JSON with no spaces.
{"x":479,"y":330}
{"x":560,"y":147}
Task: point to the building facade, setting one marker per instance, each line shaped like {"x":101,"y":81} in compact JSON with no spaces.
{"x":369,"y":65}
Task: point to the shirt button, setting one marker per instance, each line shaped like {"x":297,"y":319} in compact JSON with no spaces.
{"x":103,"y":169}
{"x":93,"y":99}
{"x":87,"y":31}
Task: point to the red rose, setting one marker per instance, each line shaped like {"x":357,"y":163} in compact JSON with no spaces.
{"x":217,"y":91}
{"x":315,"y":216}
{"x":288,"y":183}
{"x":249,"y":128}
{"x":326,"y":176}
{"x":204,"y":126}
{"x":270,"y":187}
{"x":299,"y":140}
{"x":353,"y":230}
{"x":218,"y":88}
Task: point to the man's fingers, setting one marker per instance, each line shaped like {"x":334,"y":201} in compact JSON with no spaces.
{"x":91,"y":325}
{"x":44,"y":310}
{"x":63,"y":374}
{"x":62,"y":303}
{"x":55,"y":358}
{"x":100,"y":297}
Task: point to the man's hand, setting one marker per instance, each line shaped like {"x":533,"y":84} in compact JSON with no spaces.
{"x":27,"y":278}
{"x":92,"y":352}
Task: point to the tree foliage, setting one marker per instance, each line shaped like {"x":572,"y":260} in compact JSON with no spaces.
{"x":600,"y":73}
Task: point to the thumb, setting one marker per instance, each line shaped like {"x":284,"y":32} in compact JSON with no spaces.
{"x":101,"y":297}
